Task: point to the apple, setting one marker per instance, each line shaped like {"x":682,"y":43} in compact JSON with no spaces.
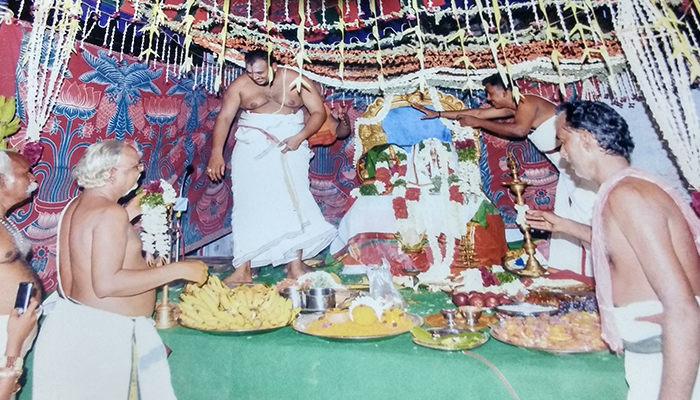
{"x":460,"y":299}
{"x":490,"y":300}
{"x":503,"y":299}
{"x":477,"y":300}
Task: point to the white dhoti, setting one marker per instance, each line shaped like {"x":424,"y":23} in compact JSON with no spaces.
{"x":643,"y":371}
{"x":575,"y":198}
{"x":83,"y":353}
{"x":274,"y":214}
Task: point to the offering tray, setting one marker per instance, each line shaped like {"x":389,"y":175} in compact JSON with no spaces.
{"x":440,"y":332}
{"x":573,"y":333}
{"x":302,"y":321}
{"x":501,"y":339}
{"x":526,"y":310}
{"x":438,"y":321}
{"x":234,"y":332}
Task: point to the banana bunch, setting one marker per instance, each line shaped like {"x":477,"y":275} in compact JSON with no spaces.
{"x":9,"y":124}
{"x":215,"y":307}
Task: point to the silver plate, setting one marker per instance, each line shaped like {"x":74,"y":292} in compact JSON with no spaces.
{"x":303,"y":321}
{"x":551,"y":351}
{"x":525,"y":313}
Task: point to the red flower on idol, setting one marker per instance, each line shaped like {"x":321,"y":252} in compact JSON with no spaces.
{"x":455,"y":195}
{"x":383,"y":175}
{"x":403,"y":169}
{"x":400,"y":209}
{"x":412,"y":194}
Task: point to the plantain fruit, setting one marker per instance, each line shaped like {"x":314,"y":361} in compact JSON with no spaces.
{"x":215,"y":307}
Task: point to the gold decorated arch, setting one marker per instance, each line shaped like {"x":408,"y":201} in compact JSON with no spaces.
{"x":372,"y":135}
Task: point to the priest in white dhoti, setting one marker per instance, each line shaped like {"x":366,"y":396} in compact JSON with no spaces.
{"x":275,"y":219}
{"x":533,"y":118}
{"x":98,"y":340}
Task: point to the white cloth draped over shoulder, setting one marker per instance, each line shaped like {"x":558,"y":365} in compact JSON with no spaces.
{"x":83,"y":353}
{"x":574,"y":200}
{"x":274,"y":214}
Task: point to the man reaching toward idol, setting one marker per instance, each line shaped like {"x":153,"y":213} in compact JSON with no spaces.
{"x":533,"y":118}
{"x":275,"y":219}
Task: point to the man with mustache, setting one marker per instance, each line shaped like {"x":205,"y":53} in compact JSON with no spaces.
{"x":17,"y":183}
{"x":275,"y":219}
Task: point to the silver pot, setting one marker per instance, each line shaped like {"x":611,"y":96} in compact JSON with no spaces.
{"x":294,"y":294}
{"x":319,"y":299}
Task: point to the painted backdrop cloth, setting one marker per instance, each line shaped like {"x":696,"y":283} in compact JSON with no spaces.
{"x":604,"y":286}
{"x":83,"y":353}
{"x":274,"y":214}
{"x":574,"y":200}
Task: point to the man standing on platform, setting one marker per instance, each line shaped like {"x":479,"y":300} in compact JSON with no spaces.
{"x":533,"y":118}
{"x":645,"y":245}
{"x":99,"y":341}
{"x":275,"y":219}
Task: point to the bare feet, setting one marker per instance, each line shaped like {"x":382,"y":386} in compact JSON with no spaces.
{"x":242,"y":274}
{"x":297,"y":268}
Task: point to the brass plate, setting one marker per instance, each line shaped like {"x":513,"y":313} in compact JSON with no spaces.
{"x":234,"y":332}
{"x":485,"y":339}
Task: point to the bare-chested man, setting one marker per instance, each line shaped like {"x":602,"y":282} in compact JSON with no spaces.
{"x":100,"y":336}
{"x":275,"y":219}
{"x":645,"y":242}
{"x":533,"y":118}
{"x":17,"y":184}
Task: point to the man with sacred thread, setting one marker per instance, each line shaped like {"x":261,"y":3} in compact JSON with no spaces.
{"x":17,"y":183}
{"x":533,"y":118}
{"x":275,"y":219}
{"x":99,"y":342}
{"x":645,"y":242}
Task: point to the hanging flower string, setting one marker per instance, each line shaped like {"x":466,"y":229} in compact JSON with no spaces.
{"x":155,"y":206}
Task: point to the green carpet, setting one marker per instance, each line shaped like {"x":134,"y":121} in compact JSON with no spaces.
{"x":284,"y":364}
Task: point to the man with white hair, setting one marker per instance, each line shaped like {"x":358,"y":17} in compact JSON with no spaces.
{"x":17,"y":183}
{"x":99,"y":342}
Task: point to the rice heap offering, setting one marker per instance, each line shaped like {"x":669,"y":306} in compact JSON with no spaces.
{"x":573,"y":332}
{"x":364,"y":318}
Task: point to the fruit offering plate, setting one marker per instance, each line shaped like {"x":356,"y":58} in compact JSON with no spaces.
{"x":576,"y":332}
{"x":244,"y":309}
{"x":303,"y":321}
{"x":448,"y":339}
{"x":439,"y":321}
{"x":233,"y":331}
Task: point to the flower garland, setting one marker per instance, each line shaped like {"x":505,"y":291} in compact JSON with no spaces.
{"x":155,"y":205}
{"x":390,"y":164}
{"x":414,"y":206}
{"x":46,"y":57}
